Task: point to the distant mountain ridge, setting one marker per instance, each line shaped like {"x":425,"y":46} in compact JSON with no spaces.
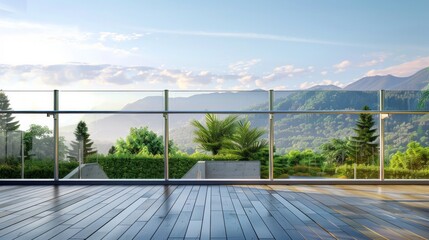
{"x":417,"y":81}
{"x":323,"y":97}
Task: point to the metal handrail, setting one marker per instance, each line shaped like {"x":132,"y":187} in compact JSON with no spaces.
{"x":373,"y":112}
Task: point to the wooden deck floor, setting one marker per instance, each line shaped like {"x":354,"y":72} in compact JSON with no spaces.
{"x":214,"y":212}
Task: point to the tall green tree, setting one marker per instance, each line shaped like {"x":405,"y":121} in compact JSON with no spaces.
{"x":212,"y":136}
{"x":39,"y":143}
{"x":246,"y":142}
{"x":82,"y":135}
{"x":362,"y":148}
{"x":424,"y":98}
{"x":142,"y":141}
{"x":7,"y":123}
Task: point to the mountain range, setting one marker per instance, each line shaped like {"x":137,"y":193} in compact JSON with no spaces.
{"x":107,"y":130}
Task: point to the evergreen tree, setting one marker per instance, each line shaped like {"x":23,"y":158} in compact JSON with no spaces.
{"x":6,"y":120}
{"x":82,"y":135}
{"x":7,"y":123}
{"x":363,"y":148}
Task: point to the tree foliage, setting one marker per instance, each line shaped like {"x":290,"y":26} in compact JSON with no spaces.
{"x":245,"y":142}
{"x":142,"y":141}
{"x":212,"y":136}
{"x":335,"y":151}
{"x":39,"y":143}
{"x":363,"y":148}
{"x":7,"y":122}
{"x":415,"y":157}
{"x":82,"y":135}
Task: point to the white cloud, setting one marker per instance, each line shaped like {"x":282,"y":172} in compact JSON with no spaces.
{"x":341,"y":67}
{"x":376,"y":59}
{"x":243,"y":67}
{"x":284,"y":72}
{"x":307,"y":85}
{"x":324,"y":73}
{"x":402,"y":70}
{"x":34,"y":43}
{"x":117,"y":37}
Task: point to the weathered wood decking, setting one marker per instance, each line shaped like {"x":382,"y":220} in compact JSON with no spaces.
{"x":214,"y":212}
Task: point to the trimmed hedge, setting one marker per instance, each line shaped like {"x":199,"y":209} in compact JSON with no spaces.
{"x":372,"y":172}
{"x":35,"y":169}
{"x":149,"y":167}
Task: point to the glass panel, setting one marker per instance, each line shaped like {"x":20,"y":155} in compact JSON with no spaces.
{"x":34,"y":138}
{"x":26,"y":140}
{"x":404,"y":100}
{"x":30,"y":100}
{"x":112,"y":100}
{"x":119,"y":146}
{"x":325,"y":100}
{"x":310,"y":146}
{"x":235,"y":147}
{"x":407,"y":147}
{"x":218,"y":101}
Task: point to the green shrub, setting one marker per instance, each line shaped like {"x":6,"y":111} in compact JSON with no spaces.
{"x":36,"y":169}
{"x":372,"y":172}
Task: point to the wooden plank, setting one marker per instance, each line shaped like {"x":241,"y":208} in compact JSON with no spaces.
{"x":214,"y":212}
{"x":205,"y":229}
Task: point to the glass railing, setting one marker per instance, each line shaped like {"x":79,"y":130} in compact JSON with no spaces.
{"x":214,"y":135}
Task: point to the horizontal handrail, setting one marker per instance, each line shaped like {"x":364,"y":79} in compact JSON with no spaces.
{"x":374,"y":112}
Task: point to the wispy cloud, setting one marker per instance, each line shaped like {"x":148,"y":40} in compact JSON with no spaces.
{"x":284,"y":72}
{"x":402,"y":70}
{"x":376,"y":58}
{"x":118,"y":37}
{"x":67,"y":76}
{"x":35,"y":43}
{"x":306,"y":85}
{"x":341,"y":67}
{"x":247,"y":35}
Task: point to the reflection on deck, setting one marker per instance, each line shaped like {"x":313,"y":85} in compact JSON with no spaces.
{"x":218,"y":211}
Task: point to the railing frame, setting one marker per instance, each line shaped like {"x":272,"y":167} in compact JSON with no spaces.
{"x":166,"y":112}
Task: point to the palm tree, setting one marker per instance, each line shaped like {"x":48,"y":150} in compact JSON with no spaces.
{"x":246,"y":142}
{"x":335,"y":151}
{"x":212,"y":136}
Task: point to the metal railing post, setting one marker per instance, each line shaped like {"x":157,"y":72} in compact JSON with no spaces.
{"x":381,"y":116}
{"x":22,"y":156}
{"x":166,"y":136}
{"x":56,"y":136}
{"x":271,"y":135}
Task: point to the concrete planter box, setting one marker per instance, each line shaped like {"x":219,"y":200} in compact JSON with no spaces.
{"x":225,"y":170}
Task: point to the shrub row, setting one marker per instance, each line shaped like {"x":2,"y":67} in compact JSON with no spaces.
{"x":372,"y":172}
{"x":36,"y":169}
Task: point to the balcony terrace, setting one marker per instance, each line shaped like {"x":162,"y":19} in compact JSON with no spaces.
{"x":291,"y":189}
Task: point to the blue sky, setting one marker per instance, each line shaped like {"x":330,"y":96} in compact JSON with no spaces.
{"x":224,"y":44}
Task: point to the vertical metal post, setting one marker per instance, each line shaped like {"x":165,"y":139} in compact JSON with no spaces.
{"x":166,"y":136}
{"x":271,"y":140}
{"x":80,"y":158}
{"x":382,"y":116}
{"x":56,"y":136}
{"x":22,"y":155}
